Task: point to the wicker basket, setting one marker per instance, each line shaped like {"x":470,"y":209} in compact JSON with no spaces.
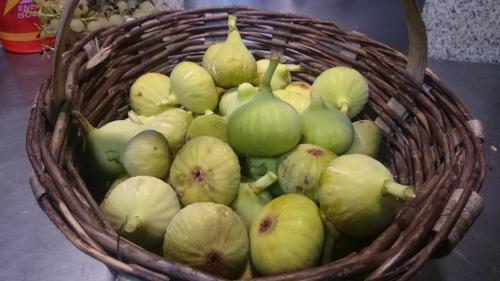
{"x":433,"y":142}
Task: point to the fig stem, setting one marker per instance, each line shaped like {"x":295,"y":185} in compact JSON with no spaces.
{"x":134,"y":117}
{"x":170,"y":100}
{"x":268,"y":75}
{"x":84,"y":123}
{"x":403,"y":192}
{"x":231,"y":23}
{"x":263,"y":182}
{"x":344,"y":107}
{"x":293,"y":67}
{"x":132,"y":224}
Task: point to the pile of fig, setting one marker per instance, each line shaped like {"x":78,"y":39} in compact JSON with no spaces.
{"x":235,"y":169}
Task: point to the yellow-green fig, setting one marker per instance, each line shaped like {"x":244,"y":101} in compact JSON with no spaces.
{"x":281,"y":77}
{"x":193,"y":87}
{"x":140,"y":208}
{"x":252,"y":197}
{"x":297,"y":94}
{"x":210,"y":237}
{"x":205,"y":169}
{"x":230,"y":63}
{"x":107,"y":143}
{"x":173,"y":125}
{"x":266,"y":126}
{"x":287,"y":235}
{"x":367,"y":138}
{"x":236,"y":97}
{"x":326,"y":127}
{"x":147,"y":154}
{"x":301,"y":170}
{"x":357,"y":195}
{"x":209,"y":124}
{"x":149,"y":94}
{"x":343,"y":88}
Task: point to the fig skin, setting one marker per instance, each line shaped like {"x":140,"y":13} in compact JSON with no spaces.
{"x":266,"y":126}
{"x":140,"y":208}
{"x":343,"y":88}
{"x":230,"y":63}
{"x":287,"y":235}
{"x":210,"y":237}
{"x":367,"y":138}
{"x":301,"y":170}
{"x":357,"y":196}
{"x":205,"y":170}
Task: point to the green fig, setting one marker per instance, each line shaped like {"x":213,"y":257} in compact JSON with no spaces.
{"x":205,"y":169}
{"x":193,"y":87}
{"x":367,"y":138}
{"x":140,"y":208}
{"x":172,"y":124}
{"x":149,"y":94}
{"x":252,"y":197}
{"x":343,"y":88}
{"x":357,"y":195}
{"x":107,"y":143}
{"x":210,"y":237}
{"x":281,"y":77}
{"x":287,"y":235}
{"x":209,"y":124}
{"x":236,"y":97}
{"x":230,"y":63}
{"x":147,"y":154}
{"x":301,"y":170}
{"x":266,"y":126}
{"x":326,"y":127}
{"x":297,"y":94}
{"x":210,"y":54}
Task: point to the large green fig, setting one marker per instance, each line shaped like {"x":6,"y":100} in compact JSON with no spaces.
{"x":147,"y":154}
{"x":172,"y":124}
{"x":193,"y":87}
{"x":149,"y":94}
{"x":301,"y":170}
{"x":281,"y":77}
{"x":252,"y":197}
{"x":357,"y":195}
{"x":367,"y":138}
{"x":326,"y":127}
{"x":210,"y":237}
{"x":266,"y":126}
{"x":140,"y":208}
{"x":205,"y":169}
{"x":107,"y":143}
{"x":209,"y":124}
{"x":236,"y":97}
{"x":287,"y":235}
{"x":297,"y":94}
{"x":343,"y":88}
{"x":230,"y":63}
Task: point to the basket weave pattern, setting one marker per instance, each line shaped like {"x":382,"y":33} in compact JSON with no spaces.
{"x":432,"y":147}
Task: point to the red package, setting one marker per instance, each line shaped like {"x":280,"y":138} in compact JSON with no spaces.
{"x":18,"y":28}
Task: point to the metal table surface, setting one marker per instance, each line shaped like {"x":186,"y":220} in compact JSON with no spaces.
{"x":31,"y":248}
